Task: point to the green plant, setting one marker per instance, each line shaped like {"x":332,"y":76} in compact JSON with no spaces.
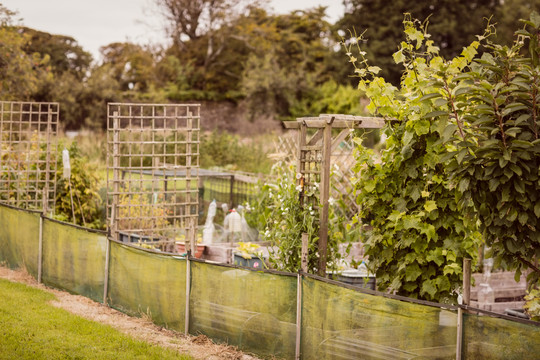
{"x":136,"y":212}
{"x":29,"y":321}
{"x":329,"y":98}
{"x":497,"y":148}
{"x":248,"y":250}
{"x":226,"y":150}
{"x":23,"y":172}
{"x":532,"y":305}
{"x":417,"y":235}
{"x":282,"y":219}
{"x":77,"y":197}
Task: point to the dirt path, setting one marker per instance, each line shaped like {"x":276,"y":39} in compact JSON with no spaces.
{"x":200,"y":347}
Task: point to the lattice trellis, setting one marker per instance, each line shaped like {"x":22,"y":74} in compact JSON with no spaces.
{"x":342,"y":162}
{"x":153,"y":163}
{"x":28,"y":154}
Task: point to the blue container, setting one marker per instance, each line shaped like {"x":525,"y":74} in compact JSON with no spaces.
{"x":255,"y":262}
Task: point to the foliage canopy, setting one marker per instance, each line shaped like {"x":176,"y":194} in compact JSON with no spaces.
{"x":462,"y":151}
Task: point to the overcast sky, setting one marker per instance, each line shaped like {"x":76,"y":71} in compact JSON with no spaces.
{"x":94,"y":23}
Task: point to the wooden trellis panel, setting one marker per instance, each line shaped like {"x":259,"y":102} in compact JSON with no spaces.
{"x":28,"y":154}
{"x":342,"y":162}
{"x":152,"y":177}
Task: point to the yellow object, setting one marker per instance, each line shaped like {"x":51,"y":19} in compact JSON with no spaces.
{"x":248,"y":250}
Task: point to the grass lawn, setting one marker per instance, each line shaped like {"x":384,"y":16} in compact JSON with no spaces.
{"x":31,"y":328}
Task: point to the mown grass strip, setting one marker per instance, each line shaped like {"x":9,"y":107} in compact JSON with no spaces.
{"x":31,"y":328}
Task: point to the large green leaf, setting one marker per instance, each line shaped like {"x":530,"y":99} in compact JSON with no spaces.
{"x":412,"y":272}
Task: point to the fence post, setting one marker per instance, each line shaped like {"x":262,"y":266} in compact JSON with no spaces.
{"x":106,"y":279}
{"x":305,"y":241}
{"x":40,"y":249}
{"x":466,"y":282}
{"x":44,"y":200}
{"x":231,"y":191}
{"x":466,"y":300}
{"x":188,"y":291}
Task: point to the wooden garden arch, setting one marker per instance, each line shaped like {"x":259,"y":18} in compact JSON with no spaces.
{"x":313,"y":167}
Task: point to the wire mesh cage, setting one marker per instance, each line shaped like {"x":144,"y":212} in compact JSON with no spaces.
{"x":152,"y":177}
{"x":231,"y":188}
{"x":28,"y":154}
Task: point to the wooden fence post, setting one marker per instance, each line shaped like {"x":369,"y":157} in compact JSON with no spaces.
{"x":324,"y":188}
{"x":466,"y":298}
{"x":188,"y":293}
{"x":304,"y":268}
{"x":40,"y":249}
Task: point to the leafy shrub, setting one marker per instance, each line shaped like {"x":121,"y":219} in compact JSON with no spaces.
{"x":77,"y":198}
{"x":417,"y":236}
{"x":282,"y":220}
{"x":464,"y":148}
{"x":221,"y":149}
{"x":532,"y":305}
{"x":330,"y":98}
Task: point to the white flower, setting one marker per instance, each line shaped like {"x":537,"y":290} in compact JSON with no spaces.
{"x":299,"y":188}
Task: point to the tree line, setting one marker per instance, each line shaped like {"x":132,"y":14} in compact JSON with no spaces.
{"x":282,"y":65}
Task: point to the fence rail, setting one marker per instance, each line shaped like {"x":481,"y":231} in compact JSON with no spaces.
{"x":255,"y":310}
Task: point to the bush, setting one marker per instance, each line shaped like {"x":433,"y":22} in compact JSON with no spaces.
{"x":221,"y":149}
{"x":77,"y":198}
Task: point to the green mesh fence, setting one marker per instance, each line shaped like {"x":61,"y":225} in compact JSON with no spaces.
{"x":492,"y":338}
{"x":255,"y":311}
{"x":19,"y":239}
{"x":142,"y":282}
{"x":74,"y":259}
{"x":340,"y":323}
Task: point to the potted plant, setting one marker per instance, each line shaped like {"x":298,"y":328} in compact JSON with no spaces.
{"x":248,"y":254}
{"x":181,"y":245}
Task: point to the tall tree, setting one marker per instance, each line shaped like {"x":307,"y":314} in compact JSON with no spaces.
{"x":453,"y":25}
{"x":201,"y":23}
{"x":20,"y":73}
{"x":287,"y":58}
{"x":132,"y":65}
{"x":66,"y":55}
{"x":509,"y":13}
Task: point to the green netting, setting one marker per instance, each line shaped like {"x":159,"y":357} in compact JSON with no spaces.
{"x":255,"y":311}
{"x":340,"y":323}
{"x":74,"y":259}
{"x":19,"y":239}
{"x":493,"y":338}
{"x":142,"y":282}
